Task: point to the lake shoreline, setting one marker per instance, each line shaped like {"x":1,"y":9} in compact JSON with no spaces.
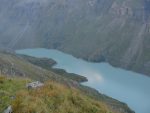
{"x":104,"y":61}
{"x":48,"y":64}
{"x":90,"y":61}
{"x":125,"y":86}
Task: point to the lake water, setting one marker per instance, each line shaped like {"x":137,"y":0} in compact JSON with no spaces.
{"x":126,"y":86}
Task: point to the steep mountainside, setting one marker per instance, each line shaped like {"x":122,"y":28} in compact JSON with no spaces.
{"x":14,"y":66}
{"x":116,"y":31}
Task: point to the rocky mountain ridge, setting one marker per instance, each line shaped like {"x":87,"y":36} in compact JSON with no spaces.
{"x":116,"y":31}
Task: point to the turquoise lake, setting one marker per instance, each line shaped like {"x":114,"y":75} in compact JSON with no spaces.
{"x":126,"y":86}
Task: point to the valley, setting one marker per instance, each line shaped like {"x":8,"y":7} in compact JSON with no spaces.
{"x":95,"y":52}
{"x":96,"y":30}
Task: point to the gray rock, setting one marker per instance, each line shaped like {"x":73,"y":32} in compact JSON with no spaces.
{"x":34,"y":85}
{"x":8,"y":110}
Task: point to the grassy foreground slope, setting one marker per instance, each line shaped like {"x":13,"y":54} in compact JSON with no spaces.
{"x":51,"y":98}
{"x":13,"y":66}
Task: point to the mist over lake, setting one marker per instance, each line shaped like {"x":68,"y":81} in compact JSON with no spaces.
{"x":123,"y":85}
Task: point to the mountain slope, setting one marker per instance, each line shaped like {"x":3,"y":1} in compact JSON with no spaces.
{"x":116,"y":31}
{"x":15,"y":66}
{"x":46,"y":99}
{"x":35,"y":68}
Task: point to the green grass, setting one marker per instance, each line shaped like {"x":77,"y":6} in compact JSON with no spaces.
{"x":8,"y":89}
{"x":51,"y":98}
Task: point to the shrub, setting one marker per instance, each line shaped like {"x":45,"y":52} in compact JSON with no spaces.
{"x":2,"y":79}
{"x":17,"y":105}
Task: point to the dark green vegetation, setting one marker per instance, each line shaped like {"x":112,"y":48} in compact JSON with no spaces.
{"x":116,"y":31}
{"x":48,"y":63}
{"x":13,"y":65}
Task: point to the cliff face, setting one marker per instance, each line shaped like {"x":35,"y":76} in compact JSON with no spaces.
{"x":116,"y":31}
